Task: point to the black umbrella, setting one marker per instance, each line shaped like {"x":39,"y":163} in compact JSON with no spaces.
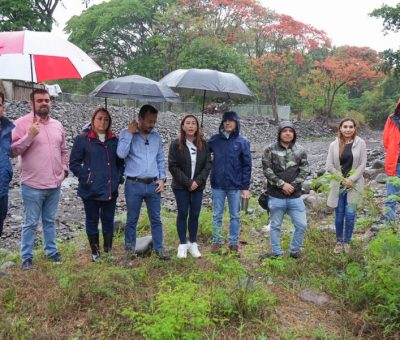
{"x":135,"y":87}
{"x":202,"y":82}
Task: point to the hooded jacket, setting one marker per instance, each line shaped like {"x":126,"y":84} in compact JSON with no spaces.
{"x":391,"y":142}
{"x":231,"y":167}
{"x":284,"y":165}
{"x":97,"y":166}
{"x":6,"y":170}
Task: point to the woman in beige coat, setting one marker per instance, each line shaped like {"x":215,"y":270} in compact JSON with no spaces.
{"x":347,"y":157}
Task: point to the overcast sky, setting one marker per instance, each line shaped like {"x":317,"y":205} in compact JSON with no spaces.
{"x":346,"y":22}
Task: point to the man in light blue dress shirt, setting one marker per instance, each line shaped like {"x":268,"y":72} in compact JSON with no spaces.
{"x":141,"y":148}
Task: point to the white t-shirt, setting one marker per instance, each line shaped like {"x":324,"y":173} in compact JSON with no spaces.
{"x":193,"y":155}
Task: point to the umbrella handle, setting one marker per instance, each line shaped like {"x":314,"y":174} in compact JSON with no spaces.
{"x":202,"y":110}
{"x":33,"y":86}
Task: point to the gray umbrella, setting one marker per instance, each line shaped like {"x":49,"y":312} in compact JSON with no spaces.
{"x":202,"y":82}
{"x":135,"y":87}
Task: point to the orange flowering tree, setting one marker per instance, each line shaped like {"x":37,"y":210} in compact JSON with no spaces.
{"x":279,"y":56}
{"x":333,"y":74}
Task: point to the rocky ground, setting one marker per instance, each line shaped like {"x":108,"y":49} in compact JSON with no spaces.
{"x":260,"y":131}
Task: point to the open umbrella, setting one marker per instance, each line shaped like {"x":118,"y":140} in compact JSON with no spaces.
{"x":202,"y":82}
{"x":135,"y":87}
{"x":41,"y":56}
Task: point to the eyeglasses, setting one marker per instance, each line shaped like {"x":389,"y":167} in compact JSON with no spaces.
{"x":146,"y":142}
{"x":193,"y":151}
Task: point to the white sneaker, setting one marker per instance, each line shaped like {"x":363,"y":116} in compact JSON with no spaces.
{"x":194,"y":249}
{"x":182,"y":251}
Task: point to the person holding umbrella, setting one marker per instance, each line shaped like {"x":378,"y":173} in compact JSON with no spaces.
{"x":6,"y":171}
{"x":99,"y":170}
{"x":189,"y":162}
{"x":230,"y":177}
{"x":141,"y":148}
{"x":39,"y":141}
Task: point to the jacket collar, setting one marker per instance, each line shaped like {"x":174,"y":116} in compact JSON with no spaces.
{"x":92,"y":134}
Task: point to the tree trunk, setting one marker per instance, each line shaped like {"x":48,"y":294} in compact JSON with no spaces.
{"x":274,"y":103}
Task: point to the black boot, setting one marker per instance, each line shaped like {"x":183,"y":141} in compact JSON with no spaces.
{"x":108,"y":238}
{"x":94,"y":246}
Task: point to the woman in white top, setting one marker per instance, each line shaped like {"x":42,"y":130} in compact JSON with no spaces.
{"x":189,"y":163}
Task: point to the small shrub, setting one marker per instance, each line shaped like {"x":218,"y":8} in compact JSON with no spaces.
{"x":376,"y":286}
{"x":180,"y":310}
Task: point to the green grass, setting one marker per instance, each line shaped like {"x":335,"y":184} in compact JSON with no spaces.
{"x":216,"y":297}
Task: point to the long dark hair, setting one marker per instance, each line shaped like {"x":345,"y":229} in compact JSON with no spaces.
{"x":102,"y":109}
{"x":340,"y":136}
{"x":198,"y":135}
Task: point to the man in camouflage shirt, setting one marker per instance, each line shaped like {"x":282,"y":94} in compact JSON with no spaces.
{"x":285,"y":166}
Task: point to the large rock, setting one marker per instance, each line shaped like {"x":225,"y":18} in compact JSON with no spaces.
{"x":313,"y":297}
{"x":378,"y":164}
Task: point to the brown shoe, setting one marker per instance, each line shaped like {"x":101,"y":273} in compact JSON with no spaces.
{"x":216,"y":248}
{"x":234,"y":248}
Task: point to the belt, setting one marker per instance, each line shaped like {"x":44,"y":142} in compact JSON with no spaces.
{"x":146,"y":180}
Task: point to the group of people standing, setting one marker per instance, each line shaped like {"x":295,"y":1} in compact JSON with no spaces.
{"x":101,"y":161}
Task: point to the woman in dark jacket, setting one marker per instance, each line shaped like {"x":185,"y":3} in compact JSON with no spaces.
{"x":95,"y":162}
{"x":189,"y":163}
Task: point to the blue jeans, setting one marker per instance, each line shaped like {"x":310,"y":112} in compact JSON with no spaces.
{"x":189,"y":206}
{"x":390,"y":204}
{"x":39,"y":203}
{"x":296,"y":209}
{"x":103,"y":210}
{"x":3,"y":211}
{"x":345,"y":219}
{"x":135,"y":194}
{"x":218,"y":200}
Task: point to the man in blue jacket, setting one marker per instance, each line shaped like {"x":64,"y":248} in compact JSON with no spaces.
{"x":230,"y":178}
{"x":6,"y":171}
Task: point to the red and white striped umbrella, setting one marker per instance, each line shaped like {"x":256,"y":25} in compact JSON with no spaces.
{"x":42,"y":56}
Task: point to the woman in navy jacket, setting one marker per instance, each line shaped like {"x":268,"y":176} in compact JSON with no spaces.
{"x":189,"y":163}
{"x":95,"y":162}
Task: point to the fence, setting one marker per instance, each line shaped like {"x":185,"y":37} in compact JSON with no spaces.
{"x":244,"y":110}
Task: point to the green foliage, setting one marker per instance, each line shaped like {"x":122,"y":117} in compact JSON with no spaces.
{"x":375,"y":286}
{"x":9,"y":298}
{"x":212,"y":53}
{"x":376,"y":107}
{"x":391,"y":22}
{"x":34,"y":15}
{"x":180,"y":310}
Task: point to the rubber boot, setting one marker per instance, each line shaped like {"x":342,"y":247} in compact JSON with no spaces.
{"x":94,"y":246}
{"x":108,"y":239}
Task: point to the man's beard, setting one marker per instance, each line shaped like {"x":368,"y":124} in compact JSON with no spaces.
{"x":43,"y":112}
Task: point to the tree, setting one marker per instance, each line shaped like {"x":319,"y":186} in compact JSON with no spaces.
{"x":276,"y":73}
{"x":35,"y":15}
{"x":279,"y":53}
{"x":333,"y":74}
{"x":117,"y":31}
{"x":391,"y":22}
